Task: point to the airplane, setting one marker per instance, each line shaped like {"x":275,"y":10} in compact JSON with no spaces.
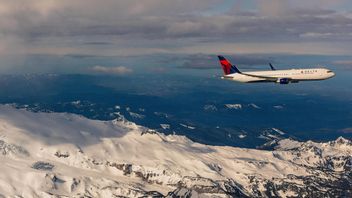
{"x":231,"y":72}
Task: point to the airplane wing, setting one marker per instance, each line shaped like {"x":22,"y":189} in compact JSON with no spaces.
{"x":273,"y":79}
{"x":258,"y":76}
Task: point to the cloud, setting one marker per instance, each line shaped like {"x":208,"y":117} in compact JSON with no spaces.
{"x":119,"y":70}
{"x":279,"y":8}
{"x":343,"y":62}
{"x":160,"y":19}
{"x":134,"y":27}
{"x":97,"y":43}
{"x":347,"y":130}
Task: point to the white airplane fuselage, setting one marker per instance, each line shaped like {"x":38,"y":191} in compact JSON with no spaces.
{"x":279,"y":76}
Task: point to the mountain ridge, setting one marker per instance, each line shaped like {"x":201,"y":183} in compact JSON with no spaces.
{"x":61,"y":154}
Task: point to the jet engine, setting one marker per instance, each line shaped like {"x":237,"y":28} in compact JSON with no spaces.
{"x":283,"y":80}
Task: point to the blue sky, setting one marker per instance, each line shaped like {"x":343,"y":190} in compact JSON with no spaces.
{"x":133,"y":28}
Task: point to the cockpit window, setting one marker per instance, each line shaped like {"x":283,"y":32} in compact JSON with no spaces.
{"x":329,"y":71}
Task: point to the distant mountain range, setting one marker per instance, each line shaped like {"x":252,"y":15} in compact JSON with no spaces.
{"x":223,"y":113}
{"x":67,"y":155}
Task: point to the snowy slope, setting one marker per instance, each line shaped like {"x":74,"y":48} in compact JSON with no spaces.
{"x":59,"y":154}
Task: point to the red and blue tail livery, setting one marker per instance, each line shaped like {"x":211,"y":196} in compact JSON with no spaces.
{"x":227,"y":66}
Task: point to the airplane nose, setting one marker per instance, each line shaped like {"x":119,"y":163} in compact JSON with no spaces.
{"x":332,"y":74}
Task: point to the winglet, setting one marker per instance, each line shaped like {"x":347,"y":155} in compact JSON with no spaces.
{"x":272,"y":67}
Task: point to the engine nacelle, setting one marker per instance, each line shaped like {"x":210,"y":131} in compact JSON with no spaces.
{"x":283,"y":81}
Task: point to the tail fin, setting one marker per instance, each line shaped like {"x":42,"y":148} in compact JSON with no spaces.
{"x":227,"y":66}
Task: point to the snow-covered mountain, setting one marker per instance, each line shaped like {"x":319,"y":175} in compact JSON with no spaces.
{"x":59,"y":154}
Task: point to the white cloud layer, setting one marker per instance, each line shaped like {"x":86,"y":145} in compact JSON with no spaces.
{"x":119,"y":70}
{"x":134,"y":27}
